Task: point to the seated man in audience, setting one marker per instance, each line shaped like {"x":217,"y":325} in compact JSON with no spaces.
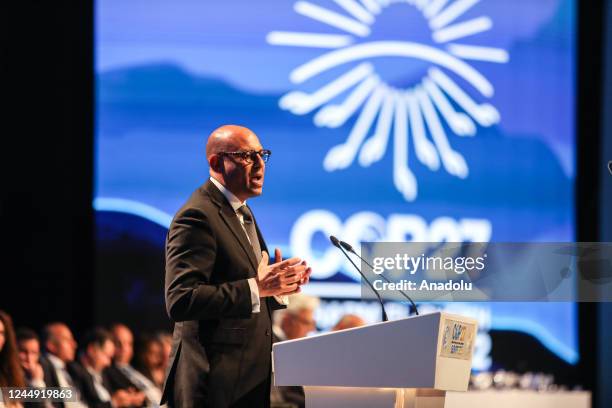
{"x":28,"y":345}
{"x":97,"y":350}
{"x":60,"y":348}
{"x":121,"y":375}
{"x":297,"y":320}
{"x":148,"y":358}
{"x":165,"y":339}
{"x":348,"y":321}
{"x":294,"y":322}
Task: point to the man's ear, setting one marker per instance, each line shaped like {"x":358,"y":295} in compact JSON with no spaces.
{"x":215,"y":163}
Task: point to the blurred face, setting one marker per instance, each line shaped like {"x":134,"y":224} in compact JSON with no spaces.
{"x":101,"y":357}
{"x":62,"y":343}
{"x":298,"y":325}
{"x":2,"y":335}
{"x":243,"y":177}
{"x":153,"y":357}
{"x":348,"y":322}
{"x":124,"y":345}
{"x":167,"y":349}
{"x":29,"y":353}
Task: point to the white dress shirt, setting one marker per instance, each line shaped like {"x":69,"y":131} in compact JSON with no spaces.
{"x":101,"y":390}
{"x":236,"y":204}
{"x":64,"y":380}
{"x":151,"y":391}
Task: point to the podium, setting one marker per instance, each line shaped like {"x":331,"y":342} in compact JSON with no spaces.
{"x":409,"y":363}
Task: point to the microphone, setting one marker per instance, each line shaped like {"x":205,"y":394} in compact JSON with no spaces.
{"x":337,"y":244}
{"x":349,"y":248}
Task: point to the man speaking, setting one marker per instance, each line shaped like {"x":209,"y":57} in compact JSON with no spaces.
{"x":220,"y":289}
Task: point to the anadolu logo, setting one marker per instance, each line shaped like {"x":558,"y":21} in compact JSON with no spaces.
{"x":414,"y":115}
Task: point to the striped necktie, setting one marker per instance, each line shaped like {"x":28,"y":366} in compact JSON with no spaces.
{"x":249,"y":227}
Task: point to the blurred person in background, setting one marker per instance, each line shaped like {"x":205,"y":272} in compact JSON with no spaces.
{"x":149,"y":360}
{"x":97,"y":350}
{"x":297,"y":320}
{"x":348,"y":321}
{"x":11,"y":374}
{"x":121,"y":375}
{"x":60,"y":350}
{"x":294,"y":322}
{"x":28,"y":345}
{"x":166,"y":340}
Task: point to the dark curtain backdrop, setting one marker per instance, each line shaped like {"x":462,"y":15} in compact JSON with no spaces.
{"x":47,"y":161}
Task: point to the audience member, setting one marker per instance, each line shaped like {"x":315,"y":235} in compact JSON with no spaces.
{"x":121,"y":375}
{"x":148,"y":359}
{"x":294,"y":322}
{"x":166,"y":340}
{"x":103,"y":376}
{"x":60,"y":347}
{"x":348,"y":321}
{"x":297,"y":320}
{"x":28,"y":345}
{"x":97,"y":350}
{"x":11,"y":374}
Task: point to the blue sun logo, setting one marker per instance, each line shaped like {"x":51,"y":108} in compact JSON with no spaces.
{"x":416,"y":114}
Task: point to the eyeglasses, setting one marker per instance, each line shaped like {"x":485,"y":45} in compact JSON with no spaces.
{"x":249,"y":156}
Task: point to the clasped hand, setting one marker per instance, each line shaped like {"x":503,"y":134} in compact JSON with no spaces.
{"x":282,"y":277}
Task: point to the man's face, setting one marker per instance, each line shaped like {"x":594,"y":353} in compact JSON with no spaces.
{"x":299,"y":324}
{"x":62,"y":343}
{"x":154,"y":355}
{"x":244,"y":178}
{"x":101,"y":356}
{"x":124,"y":345}
{"x":167,"y":349}
{"x":29,"y":353}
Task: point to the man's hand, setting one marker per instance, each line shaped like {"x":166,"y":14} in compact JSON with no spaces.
{"x":130,"y":397}
{"x":138,"y":397}
{"x":280,"y":278}
{"x":33,"y":369}
{"x":278,"y":257}
{"x":36,"y":373}
{"x":121,"y":399}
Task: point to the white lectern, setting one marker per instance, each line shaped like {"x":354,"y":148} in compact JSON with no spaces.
{"x":410,"y":362}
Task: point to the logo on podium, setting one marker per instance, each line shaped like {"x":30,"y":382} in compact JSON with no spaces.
{"x":457,"y":339}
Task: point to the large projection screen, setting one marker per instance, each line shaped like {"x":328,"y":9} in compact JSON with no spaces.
{"x":424,"y":120}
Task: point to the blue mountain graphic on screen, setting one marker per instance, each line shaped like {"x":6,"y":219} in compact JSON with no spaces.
{"x":153,"y":121}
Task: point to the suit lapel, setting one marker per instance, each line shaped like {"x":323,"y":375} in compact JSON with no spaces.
{"x":231,"y":220}
{"x":264,"y":247}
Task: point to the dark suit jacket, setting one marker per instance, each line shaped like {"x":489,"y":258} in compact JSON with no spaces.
{"x":50,"y":376}
{"x":82,"y":381}
{"x":116,"y":380}
{"x":221,"y":350}
{"x":85,"y":383}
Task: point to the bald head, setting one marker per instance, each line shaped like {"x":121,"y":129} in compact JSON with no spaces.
{"x":242,"y":176}
{"x":58,"y":340}
{"x":226,"y":138}
{"x":348,"y":321}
